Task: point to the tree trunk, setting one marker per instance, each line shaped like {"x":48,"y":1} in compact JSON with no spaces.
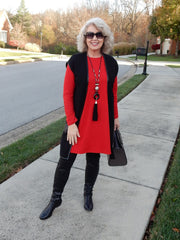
{"x":177,"y":46}
{"x":161,"y":46}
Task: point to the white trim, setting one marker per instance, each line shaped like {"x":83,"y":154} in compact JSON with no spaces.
{"x":10,"y":25}
{"x":6,"y":16}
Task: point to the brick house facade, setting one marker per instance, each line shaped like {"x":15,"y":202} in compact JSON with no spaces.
{"x":173,"y":47}
{"x":5,"y":27}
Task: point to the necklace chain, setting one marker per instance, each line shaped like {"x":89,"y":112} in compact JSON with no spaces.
{"x":96,"y":77}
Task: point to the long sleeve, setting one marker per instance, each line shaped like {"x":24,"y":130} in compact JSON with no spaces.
{"x":68,"y":96}
{"x":115,"y":98}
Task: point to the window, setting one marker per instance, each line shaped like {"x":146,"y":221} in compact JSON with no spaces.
{"x":3,"y":36}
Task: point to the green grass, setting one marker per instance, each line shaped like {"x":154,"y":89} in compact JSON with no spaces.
{"x":21,"y":56}
{"x":21,"y":153}
{"x":166,"y":224}
{"x":14,"y":54}
{"x":129,"y":85}
{"x":8,"y":60}
{"x":160,"y":58}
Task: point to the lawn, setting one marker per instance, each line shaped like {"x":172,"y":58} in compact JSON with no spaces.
{"x":13,"y":54}
{"x":19,"y":154}
{"x":165,"y":224}
{"x":159,"y":58}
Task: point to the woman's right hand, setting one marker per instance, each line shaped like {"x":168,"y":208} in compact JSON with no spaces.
{"x":72,"y":134}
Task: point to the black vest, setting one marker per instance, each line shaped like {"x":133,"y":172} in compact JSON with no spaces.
{"x":79,"y":66}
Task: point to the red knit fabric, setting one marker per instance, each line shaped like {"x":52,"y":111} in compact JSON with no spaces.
{"x":94,"y":135}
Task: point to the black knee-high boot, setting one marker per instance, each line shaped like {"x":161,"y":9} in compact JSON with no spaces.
{"x":60,"y":179}
{"x":55,"y":202}
{"x":88,"y":202}
{"x":91,"y":173}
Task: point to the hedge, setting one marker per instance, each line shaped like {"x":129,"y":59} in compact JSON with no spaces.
{"x":123,"y":48}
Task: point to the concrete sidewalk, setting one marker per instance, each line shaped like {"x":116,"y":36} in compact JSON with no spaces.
{"x":124,"y":197}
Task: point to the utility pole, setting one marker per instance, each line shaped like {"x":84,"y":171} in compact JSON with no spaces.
{"x":41,"y":40}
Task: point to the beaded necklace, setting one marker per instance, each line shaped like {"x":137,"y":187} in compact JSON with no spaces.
{"x":96,"y":88}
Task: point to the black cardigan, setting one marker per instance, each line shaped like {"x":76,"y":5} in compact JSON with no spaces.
{"x":79,"y":66}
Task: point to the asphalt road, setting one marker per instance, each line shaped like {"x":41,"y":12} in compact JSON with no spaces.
{"x":31,"y":90}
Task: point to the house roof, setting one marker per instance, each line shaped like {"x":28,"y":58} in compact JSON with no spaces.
{"x":3,"y":18}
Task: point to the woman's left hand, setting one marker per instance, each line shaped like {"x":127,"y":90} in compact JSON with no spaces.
{"x":116,"y":124}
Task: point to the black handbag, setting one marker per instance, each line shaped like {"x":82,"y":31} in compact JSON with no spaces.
{"x":118,"y":155}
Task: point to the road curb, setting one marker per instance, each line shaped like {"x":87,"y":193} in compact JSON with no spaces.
{"x":127,"y":75}
{"x":31,"y":127}
{"x":20,"y":61}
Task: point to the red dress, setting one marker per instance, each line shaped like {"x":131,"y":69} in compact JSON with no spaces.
{"x":94,"y":135}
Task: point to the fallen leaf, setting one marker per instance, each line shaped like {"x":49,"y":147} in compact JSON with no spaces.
{"x":158,"y":201}
{"x":152,"y":218}
{"x":176,"y":230}
{"x":19,"y":169}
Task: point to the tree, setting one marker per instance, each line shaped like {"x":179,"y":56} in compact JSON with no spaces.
{"x":127,"y":19}
{"x":174,"y":22}
{"x":126,"y":16}
{"x":158,"y":25}
{"x":165,"y":21}
{"x":23,"y":17}
{"x":48,"y":35}
{"x":18,"y":38}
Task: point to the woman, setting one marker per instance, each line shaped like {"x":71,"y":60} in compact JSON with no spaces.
{"x":90,"y":102}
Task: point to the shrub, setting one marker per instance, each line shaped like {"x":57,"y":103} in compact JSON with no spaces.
{"x":70,"y":50}
{"x":2,"y":44}
{"x":123,"y":48}
{"x":32,"y":47}
{"x":9,"y":46}
{"x":15,"y":44}
{"x":59,"y":48}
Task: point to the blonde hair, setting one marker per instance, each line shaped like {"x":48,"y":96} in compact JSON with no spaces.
{"x":101,"y":26}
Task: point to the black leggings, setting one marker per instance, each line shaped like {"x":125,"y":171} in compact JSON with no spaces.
{"x":64,"y":167}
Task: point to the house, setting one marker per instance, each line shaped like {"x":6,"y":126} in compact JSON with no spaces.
{"x":174,"y":46}
{"x":168,"y":46}
{"x":5,"y":27}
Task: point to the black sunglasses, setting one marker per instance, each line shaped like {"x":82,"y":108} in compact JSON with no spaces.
{"x":90,"y":35}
